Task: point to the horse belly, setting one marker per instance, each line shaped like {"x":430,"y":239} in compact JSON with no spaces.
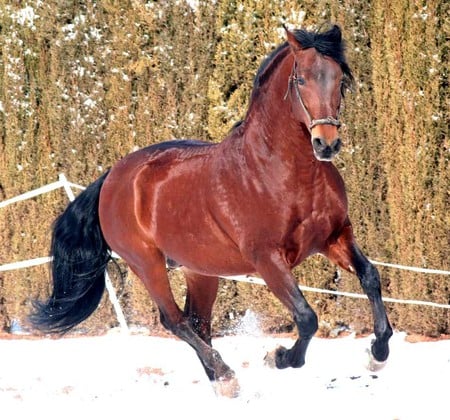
{"x":189,"y":234}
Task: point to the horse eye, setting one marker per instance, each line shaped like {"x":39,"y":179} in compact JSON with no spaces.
{"x":300,"y":80}
{"x":343,"y":87}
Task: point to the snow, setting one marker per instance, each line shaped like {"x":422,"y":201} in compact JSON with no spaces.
{"x":25,"y":17}
{"x":138,"y":376}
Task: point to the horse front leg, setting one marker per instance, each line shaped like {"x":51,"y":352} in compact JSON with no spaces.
{"x":278,"y":277}
{"x":347,"y":255}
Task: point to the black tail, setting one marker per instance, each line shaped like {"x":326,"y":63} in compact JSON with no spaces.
{"x":80,"y":255}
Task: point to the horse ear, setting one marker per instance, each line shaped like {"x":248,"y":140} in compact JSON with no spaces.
{"x":292,"y":40}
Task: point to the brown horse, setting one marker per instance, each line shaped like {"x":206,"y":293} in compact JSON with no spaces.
{"x":262,"y":200}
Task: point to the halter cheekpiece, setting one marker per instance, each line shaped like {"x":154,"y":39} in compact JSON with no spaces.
{"x":294,"y":80}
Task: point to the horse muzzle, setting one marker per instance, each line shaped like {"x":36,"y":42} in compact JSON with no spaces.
{"x":324,"y":150}
{"x":325,"y":138}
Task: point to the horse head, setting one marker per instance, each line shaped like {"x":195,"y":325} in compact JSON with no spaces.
{"x":316,"y":85}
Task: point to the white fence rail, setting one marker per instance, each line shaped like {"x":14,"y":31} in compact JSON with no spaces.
{"x":64,"y":183}
{"x":61,"y":183}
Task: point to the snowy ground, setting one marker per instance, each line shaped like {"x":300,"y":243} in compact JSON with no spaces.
{"x":140,"y":377}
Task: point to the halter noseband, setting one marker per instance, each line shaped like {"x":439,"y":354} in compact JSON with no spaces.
{"x":293,"y":79}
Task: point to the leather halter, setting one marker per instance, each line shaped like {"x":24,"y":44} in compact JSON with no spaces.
{"x":294,"y":80}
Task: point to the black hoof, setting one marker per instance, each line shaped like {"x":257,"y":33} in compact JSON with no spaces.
{"x":373,"y":364}
{"x":281,"y":359}
{"x":380,"y":351}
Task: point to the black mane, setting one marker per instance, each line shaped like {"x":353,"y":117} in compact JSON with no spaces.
{"x":329,"y":43}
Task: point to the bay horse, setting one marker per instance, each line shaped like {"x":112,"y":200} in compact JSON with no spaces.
{"x":262,"y":200}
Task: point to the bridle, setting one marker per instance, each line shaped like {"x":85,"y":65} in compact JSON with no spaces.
{"x":294,"y":80}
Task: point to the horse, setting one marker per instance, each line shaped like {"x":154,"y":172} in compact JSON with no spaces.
{"x":262,"y":200}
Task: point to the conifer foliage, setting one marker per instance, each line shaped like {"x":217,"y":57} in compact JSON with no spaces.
{"x":83,"y":82}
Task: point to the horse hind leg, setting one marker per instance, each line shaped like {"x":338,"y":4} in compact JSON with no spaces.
{"x":200,"y":297}
{"x":151,"y":269}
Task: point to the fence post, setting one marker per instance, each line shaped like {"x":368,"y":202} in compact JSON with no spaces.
{"x":109,"y":286}
{"x":66,"y":186}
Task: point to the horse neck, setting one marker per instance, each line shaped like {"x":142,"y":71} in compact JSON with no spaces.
{"x":270,"y":128}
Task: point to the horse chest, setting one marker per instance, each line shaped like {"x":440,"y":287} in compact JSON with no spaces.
{"x":308,"y":232}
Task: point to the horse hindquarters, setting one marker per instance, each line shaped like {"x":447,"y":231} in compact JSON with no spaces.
{"x":130,"y":235}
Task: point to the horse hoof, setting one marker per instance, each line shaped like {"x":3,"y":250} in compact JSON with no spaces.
{"x":373,"y":364}
{"x":270,"y":359}
{"x":226,"y":387}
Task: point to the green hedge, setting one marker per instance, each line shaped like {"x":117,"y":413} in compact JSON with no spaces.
{"x":83,"y":83}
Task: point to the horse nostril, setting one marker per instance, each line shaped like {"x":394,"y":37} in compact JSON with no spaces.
{"x":336,"y":145}
{"x":318,"y":143}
